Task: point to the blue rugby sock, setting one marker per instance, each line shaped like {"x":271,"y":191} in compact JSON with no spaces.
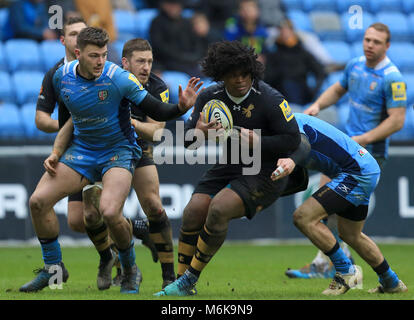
{"x":127,"y":256}
{"x":51,"y":251}
{"x":339,"y":259}
{"x":386,"y":276}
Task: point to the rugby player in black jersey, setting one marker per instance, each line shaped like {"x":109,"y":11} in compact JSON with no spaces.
{"x":227,"y":191}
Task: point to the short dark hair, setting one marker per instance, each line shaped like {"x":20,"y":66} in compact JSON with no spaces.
{"x":90,"y":35}
{"x":228,"y":56}
{"x":70,"y":21}
{"x":382,"y":28}
{"x":137,"y":44}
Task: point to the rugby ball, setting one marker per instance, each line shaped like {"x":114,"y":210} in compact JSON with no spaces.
{"x":218,"y":110}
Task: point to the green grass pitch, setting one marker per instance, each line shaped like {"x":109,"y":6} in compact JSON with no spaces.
{"x":239,"y":271}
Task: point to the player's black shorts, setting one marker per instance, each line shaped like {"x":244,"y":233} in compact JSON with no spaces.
{"x":257,"y":191}
{"x":147,"y":158}
{"x":332,"y":202}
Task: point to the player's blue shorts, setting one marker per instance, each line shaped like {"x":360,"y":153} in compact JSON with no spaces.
{"x":354,"y":188}
{"x":92,"y":164}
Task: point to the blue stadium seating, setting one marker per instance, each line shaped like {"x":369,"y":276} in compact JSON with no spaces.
{"x":27,"y":85}
{"x":3,"y":62}
{"x":51,"y":52}
{"x":293,"y":4}
{"x":327,"y":25}
{"x":386,"y":5}
{"x":343,"y":6}
{"x":143,"y":19}
{"x":402,"y":53}
{"x":4,"y":14}
{"x":23,"y":54}
{"x":139,"y":4}
{"x":6,"y":88}
{"x":325,"y":5}
{"x":173,"y":79}
{"x":411,"y":23}
{"x":398,"y":24}
{"x":407,"y":132}
{"x":118,"y":45}
{"x":125,"y":24}
{"x":10,"y":121}
{"x":356,"y":49}
{"x":409,"y":79}
{"x":353,"y":32}
{"x":339,"y":50}
{"x":300,"y":20}
{"x":342,"y":111}
{"x":407,"y":7}
{"x":27,"y":114}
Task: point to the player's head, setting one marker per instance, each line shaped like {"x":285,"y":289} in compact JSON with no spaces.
{"x":137,"y":58}
{"x":376,"y":42}
{"x":91,"y":51}
{"x":234,"y":63}
{"x":70,"y":32}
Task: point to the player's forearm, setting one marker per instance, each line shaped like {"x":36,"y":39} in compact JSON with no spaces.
{"x":45,"y":123}
{"x":385,"y":129}
{"x":158,"y":110}
{"x":302,"y":152}
{"x":63,"y":138}
{"x":330,"y":96}
{"x":147,"y":130}
{"x":283,"y":143}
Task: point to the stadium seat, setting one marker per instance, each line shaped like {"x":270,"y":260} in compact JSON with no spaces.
{"x":323,"y":5}
{"x":354,"y":32}
{"x":143,"y":19}
{"x":3,"y":62}
{"x":409,"y":79}
{"x":292,"y":4}
{"x":27,"y":85}
{"x":356,"y":49}
{"x":4,"y":14}
{"x":386,"y":5}
{"x":173,"y":79}
{"x":28,"y":113}
{"x":125,"y":24}
{"x":118,"y":46}
{"x":6,"y":88}
{"x":327,"y":25}
{"x":343,"y":114}
{"x":407,"y":7}
{"x":398,"y":24}
{"x":300,"y":20}
{"x":10,"y":121}
{"x":411,"y":23}
{"x":23,"y":54}
{"x":407,"y":132}
{"x":402,"y":53}
{"x":139,"y":4}
{"x":51,"y":52}
{"x":343,"y":6}
{"x":340,"y":51}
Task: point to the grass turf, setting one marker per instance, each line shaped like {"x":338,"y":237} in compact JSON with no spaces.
{"x":239,"y":271}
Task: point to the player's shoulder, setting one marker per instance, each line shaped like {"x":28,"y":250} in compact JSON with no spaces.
{"x":155,"y":83}
{"x":391,"y":72}
{"x":356,"y":61}
{"x":262,"y":90}
{"x":215,"y":91}
{"x":112,"y":70}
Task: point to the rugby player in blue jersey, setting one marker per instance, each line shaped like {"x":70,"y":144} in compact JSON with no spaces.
{"x":377,"y":100}
{"x":97,"y":94}
{"x":354,"y":174}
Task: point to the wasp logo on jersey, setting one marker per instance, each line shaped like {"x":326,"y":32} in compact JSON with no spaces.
{"x":165,"y":96}
{"x":248,"y":111}
{"x":398,"y":91}
{"x":287,"y":112}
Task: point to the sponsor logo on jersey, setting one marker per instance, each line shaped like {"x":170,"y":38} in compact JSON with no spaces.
{"x":103,"y":94}
{"x":373,"y":85}
{"x":398,"y":91}
{"x":247,"y":112}
{"x":165,"y":96}
{"x":135,"y":80}
{"x":287,"y":112}
{"x":236,"y":108}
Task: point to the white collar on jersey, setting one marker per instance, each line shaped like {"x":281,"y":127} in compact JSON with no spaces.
{"x":382,"y":64}
{"x":238,"y":100}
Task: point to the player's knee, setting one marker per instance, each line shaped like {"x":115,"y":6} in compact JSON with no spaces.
{"x":299,"y":218}
{"x":76,"y":225}
{"x":153,"y":209}
{"x":193,"y":219}
{"x":91,"y":215}
{"x":37,"y":204}
{"x":216,"y":218}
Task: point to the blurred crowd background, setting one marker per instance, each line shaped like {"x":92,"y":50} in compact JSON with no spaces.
{"x":304,"y":45}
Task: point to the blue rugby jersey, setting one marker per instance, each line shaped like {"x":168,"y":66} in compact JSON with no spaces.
{"x":99,"y":108}
{"x":371,"y":93}
{"x":332,"y":151}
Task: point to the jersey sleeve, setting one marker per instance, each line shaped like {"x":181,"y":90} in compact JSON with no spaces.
{"x":129,"y":86}
{"x":46,"y":100}
{"x":395,"y":90}
{"x":343,"y":81}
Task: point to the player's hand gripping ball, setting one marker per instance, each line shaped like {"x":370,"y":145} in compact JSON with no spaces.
{"x":218,"y":110}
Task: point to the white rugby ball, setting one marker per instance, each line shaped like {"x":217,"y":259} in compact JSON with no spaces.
{"x":218,"y":110}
